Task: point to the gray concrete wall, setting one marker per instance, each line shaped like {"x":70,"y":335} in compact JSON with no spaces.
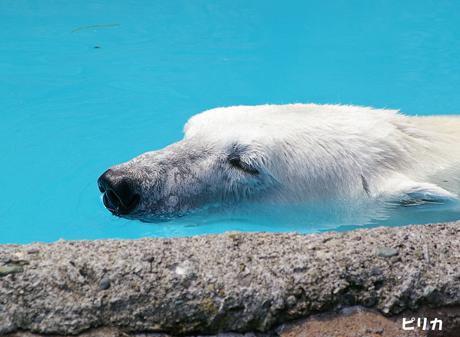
{"x":235,"y":281}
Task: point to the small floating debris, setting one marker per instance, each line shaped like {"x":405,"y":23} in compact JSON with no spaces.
{"x":95,"y":26}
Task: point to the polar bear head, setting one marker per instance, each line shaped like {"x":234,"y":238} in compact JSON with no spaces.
{"x":228,"y":155}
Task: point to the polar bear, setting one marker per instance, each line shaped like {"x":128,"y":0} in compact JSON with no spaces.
{"x":291,"y":154}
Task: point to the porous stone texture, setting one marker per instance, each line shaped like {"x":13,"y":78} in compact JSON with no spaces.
{"x":233,"y":282}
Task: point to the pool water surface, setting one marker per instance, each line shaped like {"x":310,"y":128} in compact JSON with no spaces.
{"x":87,"y":85}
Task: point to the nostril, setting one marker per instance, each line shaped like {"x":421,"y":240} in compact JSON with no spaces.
{"x":119,"y":197}
{"x":116,"y":201}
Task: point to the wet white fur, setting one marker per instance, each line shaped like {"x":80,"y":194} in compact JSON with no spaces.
{"x":316,"y":152}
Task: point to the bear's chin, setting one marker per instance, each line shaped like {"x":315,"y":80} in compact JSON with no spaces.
{"x":218,"y":208}
{"x":154,"y":218}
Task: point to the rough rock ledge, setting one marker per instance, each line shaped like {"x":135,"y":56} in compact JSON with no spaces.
{"x":232,"y":282}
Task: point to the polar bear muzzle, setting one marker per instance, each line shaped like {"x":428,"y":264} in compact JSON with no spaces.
{"x":118,"y":197}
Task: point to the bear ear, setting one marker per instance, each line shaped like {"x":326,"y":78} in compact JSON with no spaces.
{"x":425,"y":197}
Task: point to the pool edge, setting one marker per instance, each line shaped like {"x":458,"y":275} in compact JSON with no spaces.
{"x":236,"y":281}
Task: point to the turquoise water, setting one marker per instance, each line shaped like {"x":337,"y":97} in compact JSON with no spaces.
{"x":77,"y":101}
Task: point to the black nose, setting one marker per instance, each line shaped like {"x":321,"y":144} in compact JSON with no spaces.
{"x":119,"y":197}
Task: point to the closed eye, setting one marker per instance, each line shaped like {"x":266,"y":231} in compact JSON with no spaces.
{"x":235,"y":161}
